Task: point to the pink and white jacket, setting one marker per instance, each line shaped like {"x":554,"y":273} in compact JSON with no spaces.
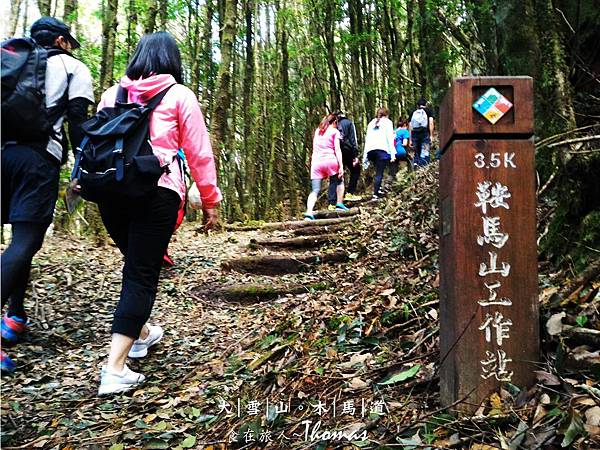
{"x":176,"y":122}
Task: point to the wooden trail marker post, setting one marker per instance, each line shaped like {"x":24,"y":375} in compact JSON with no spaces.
{"x":488,"y":255}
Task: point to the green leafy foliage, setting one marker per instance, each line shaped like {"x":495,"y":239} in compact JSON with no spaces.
{"x":401,"y":376}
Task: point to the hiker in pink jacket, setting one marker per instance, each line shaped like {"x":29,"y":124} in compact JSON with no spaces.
{"x":326,"y":162}
{"x":142,"y":230}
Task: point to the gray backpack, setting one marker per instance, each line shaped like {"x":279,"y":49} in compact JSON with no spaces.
{"x":419,"y":119}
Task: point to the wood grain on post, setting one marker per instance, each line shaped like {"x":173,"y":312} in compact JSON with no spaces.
{"x":488,"y":257}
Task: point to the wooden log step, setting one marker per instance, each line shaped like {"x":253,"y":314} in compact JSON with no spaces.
{"x":322,"y":214}
{"x":366,"y":198}
{"x":280,"y":265}
{"x":325,"y":229}
{"x":295,"y":242}
{"x":326,"y":214}
{"x":296,"y":224}
{"x":244,"y":227}
{"x":253,"y":292}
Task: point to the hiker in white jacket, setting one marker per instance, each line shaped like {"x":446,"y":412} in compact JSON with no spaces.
{"x":379,"y":147}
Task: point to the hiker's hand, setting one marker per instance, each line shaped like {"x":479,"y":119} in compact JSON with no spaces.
{"x":210,"y":218}
{"x":393,"y":159}
{"x":354,"y":162}
{"x":75,"y":186}
{"x":341,"y":173}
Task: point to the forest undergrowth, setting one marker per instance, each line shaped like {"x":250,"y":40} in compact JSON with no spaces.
{"x":351,"y":362}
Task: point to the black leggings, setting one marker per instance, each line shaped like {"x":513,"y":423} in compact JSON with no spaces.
{"x":142,"y":231}
{"x":354,"y":176}
{"x":27,"y":239}
{"x":381,"y":160}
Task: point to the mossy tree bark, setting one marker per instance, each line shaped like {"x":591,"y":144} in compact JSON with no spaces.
{"x":434,"y":53}
{"x":109,"y":32}
{"x":132,"y":21}
{"x":70,"y":13}
{"x":44,"y":6}
{"x":15,"y":12}
{"x":163,"y":14}
{"x":150,"y":22}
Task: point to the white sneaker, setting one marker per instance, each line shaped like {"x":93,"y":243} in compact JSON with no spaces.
{"x":113,"y":382}
{"x":140,"y":346}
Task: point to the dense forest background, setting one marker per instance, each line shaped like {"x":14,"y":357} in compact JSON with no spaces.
{"x":266,"y":71}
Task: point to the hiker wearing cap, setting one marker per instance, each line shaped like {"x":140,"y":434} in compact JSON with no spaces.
{"x":33,"y":147}
{"x":421,"y":132}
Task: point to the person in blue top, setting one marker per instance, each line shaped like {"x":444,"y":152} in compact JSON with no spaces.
{"x":401,"y":144}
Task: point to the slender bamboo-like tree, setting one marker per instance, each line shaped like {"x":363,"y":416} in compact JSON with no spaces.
{"x":150,"y":21}
{"x":163,"y":14}
{"x":13,"y":20}
{"x":132,"y":22}
{"x":109,"y":32}
{"x":70,"y":12}
{"x":45,"y":7}
{"x":220,"y":130}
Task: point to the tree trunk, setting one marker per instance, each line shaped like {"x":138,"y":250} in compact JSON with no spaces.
{"x":132,"y":22}
{"x":70,"y":12}
{"x":555,"y":101}
{"x":220,"y":129}
{"x":247,"y":95}
{"x":357,"y":105}
{"x":195,"y":39}
{"x":367,"y":93}
{"x":15,"y":11}
{"x":286,"y":108}
{"x":412,"y":51}
{"x":484,"y":15}
{"x":45,"y":6}
{"x":150,"y":22}
{"x":163,"y":13}
{"x":434,"y":54}
{"x":208,"y":73}
{"x":25,"y":17}
{"x":518,"y":52}
{"x":334,"y":74}
{"x":109,"y":31}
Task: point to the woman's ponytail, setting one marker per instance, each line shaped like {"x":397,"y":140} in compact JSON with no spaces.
{"x":381,"y":112}
{"x":327,"y":120}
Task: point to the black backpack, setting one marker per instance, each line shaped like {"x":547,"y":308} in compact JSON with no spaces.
{"x":115,"y":158}
{"x":25,"y":117}
{"x":24,"y":114}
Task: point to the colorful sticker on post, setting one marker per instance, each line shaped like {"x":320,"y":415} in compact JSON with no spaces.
{"x":492,"y":105}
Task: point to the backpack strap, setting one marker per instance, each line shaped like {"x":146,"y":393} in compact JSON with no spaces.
{"x":154,"y":101}
{"x":122,"y":95}
{"x":120,"y":160}
{"x":79,"y":152}
{"x":53,"y":51}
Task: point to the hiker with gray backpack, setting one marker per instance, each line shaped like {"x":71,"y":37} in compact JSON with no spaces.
{"x":421,"y":126}
{"x":127,"y":163}
{"x":42,"y":85}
